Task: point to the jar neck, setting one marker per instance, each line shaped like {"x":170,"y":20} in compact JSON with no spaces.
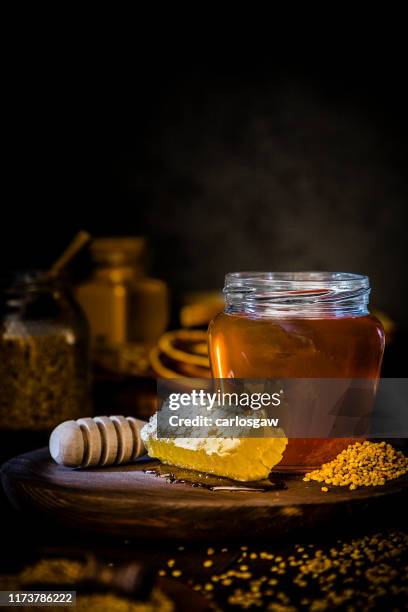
{"x":34,"y":282}
{"x":308,"y":295}
{"x":117,"y":274}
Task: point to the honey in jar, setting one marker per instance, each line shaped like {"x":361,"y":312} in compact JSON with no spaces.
{"x":304,"y":325}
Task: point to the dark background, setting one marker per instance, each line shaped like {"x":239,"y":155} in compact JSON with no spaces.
{"x":226,"y":162}
{"x":265,"y":155}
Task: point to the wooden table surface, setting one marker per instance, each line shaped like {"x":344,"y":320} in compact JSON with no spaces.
{"x":27,"y":536}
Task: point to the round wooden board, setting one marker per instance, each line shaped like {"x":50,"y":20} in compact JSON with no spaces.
{"x":129,"y":502}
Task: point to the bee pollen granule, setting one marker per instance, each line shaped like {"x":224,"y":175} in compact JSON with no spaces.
{"x":362,"y":464}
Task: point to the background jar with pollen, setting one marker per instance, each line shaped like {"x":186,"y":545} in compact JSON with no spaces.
{"x":44,"y":356}
{"x":305,"y":325}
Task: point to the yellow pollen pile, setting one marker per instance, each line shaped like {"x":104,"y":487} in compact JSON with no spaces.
{"x":60,"y":571}
{"x":366,"y":464}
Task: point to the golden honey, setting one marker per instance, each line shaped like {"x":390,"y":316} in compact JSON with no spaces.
{"x":304,"y":325}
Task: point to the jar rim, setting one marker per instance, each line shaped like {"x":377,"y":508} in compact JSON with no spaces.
{"x":30,"y":280}
{"x":311,"y":294}
{"x":295,"y":280}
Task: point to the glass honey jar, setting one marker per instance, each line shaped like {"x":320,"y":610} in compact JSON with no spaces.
{"x":302,"y":325}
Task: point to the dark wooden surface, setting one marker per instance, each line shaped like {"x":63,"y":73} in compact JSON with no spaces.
{"x":126,"y":501}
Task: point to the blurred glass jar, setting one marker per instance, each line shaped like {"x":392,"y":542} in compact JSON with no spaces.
{"x":127,"y":311}
{"x":44,"y":355}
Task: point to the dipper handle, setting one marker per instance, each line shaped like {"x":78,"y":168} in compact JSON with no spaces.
{"x":97,"y":442}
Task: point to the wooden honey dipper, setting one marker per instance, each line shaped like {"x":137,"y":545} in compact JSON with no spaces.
{"x":97,"y":442}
